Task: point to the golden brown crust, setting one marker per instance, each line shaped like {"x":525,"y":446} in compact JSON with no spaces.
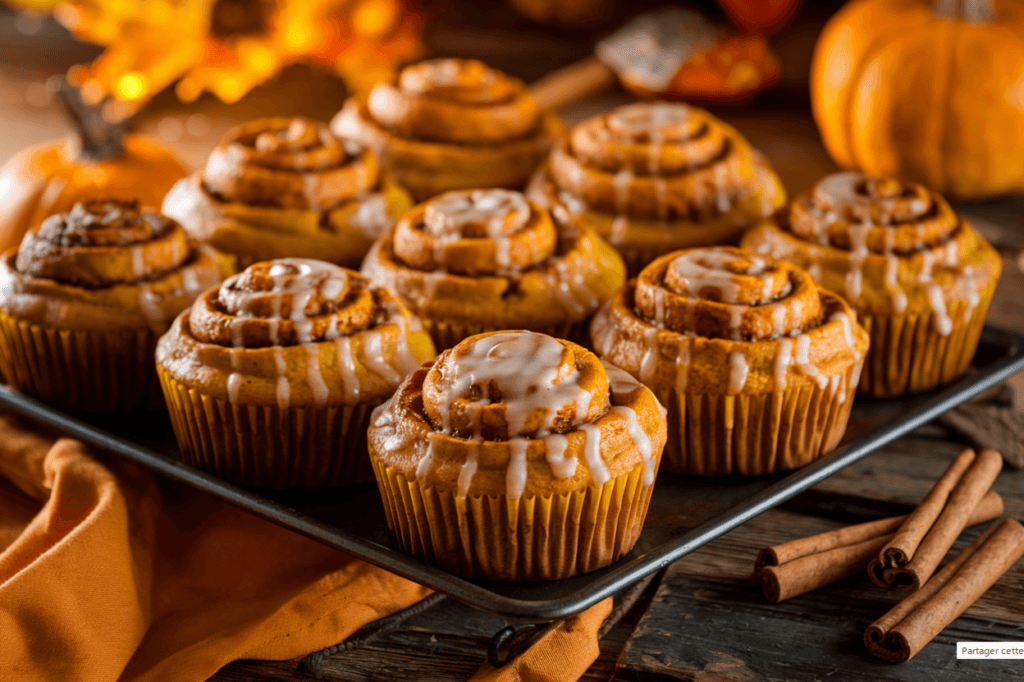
{"x":105,"y":265}
{"x":493,"y":259}
{"x":890,"y":248}
{"x":585,"y":425}
{"x":657,"y":177}
{"x":778,"y":331}
{"x":294,"y":333}
{"x":287,"y":187}
{"x":452,"y":124}
{"x":920,"y":277}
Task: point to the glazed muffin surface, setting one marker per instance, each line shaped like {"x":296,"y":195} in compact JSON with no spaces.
{"x":756,"y":365}
{"x":919,"y":276}
{"x":511,"y":436}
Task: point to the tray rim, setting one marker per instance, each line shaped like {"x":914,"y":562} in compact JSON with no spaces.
{"x":620,"y":576}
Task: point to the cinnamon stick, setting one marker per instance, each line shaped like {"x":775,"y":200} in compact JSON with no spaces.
{"x":903,"y":631}
{"x":928,"y":533}
{"x":796,"y":567}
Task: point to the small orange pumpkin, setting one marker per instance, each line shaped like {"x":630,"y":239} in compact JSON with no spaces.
{"x":930,"y":92}
{"x":100,"y":161}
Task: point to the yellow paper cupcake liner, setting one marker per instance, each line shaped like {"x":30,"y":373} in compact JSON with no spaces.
{"x":753,"y":435}
{"x":447,"y":334}
{"x":533,"y":538}
{"x":80,"y":371}
{"x":908,"y":355}
{"x":269,"y":447}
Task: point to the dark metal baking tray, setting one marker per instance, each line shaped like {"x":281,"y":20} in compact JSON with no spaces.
{"x":685,"y":512}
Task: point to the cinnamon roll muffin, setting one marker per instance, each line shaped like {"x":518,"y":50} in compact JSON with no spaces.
{"x":656,"y":177}
{"x":270,"y":378}
{"x":517,"y":456}
{"x":452,"y":124}
{"x":84,"y":298}
{"x":287,"y":187}
{"x":756,"y":365}
{"x":483,"y":260}
{"x":918,"y":275}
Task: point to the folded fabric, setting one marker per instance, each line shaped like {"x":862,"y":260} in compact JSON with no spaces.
{"x":107,"y":573}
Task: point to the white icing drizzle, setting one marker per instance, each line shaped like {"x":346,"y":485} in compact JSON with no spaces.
{"x":738,"y":370}
{"x":404,"y":358}
{"x":899,"y":297}
{"x":592,"y":454}
{"x":969,"y":288}
{"x":844,"y":320}
{"x":515,"y":475}
{"x":951,"y":254}
{"x":501,"y":212}
{"x":562,"y":466}
{"x":315,"y":376}
{"x":347,"y":368}
{"x":234,"y":386}
{"x":468,"y":469}
{"x":373,"y":357}
{"x":498,"y":360}
{"x":640,"y":439}
{"x":779,"y":317}
{"x":234,"y":379}
{"x":833,"y":384}
{"x":814,"y":270}
{"x":705,"y":269}
{"x":683,"y":365}
{"x":782,"y":359}
{"x":649,"y":362}
{"x":426,"y":461}
{"x":284,"y":388}
{"x":943,"y":324}
{"x":372,"y":217}
{"x":803,"y":363}
{"x":858,"y":254}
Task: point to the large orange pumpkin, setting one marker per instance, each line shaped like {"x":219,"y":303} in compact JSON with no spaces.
{"x":931,"y":92}
{"x":98,"y":161}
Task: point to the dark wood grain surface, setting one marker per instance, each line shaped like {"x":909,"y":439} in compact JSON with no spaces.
{"x":703,"y":620}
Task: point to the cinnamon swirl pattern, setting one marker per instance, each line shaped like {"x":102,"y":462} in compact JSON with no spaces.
{"x":756,"y":365}
{"x":656,"y":177}
{"x":483,"y":260}
{"x":452,"y":124}
{"x":287,"y":187}
{"x":517,"y":456}
{"x":918,"y":275}
{"x":84,"y":298}
{"x":270,"y":378}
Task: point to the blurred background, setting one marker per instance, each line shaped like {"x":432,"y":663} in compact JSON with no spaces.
{"x":189,"y":70}
{"x":185,"y":71}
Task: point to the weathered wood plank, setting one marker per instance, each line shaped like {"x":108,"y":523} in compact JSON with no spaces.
{"x":713,"y":629}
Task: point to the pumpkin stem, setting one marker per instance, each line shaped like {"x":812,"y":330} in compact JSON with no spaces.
{"x":98,"y":138}
{"x":973,"y":11}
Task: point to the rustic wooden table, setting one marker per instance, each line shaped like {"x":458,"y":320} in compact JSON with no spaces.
{"x":702,"y":618}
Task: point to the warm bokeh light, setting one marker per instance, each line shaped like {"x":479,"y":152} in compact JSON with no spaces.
{"x":131,"y":86}
{"x":229,"y":46}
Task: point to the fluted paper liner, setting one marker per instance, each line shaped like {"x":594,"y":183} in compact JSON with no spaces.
{"x":499,"y":538}
{"x":447,"y":334}
{"x":751,"y":435}
{"x":80,"y":370}
{"x":907,"y":354}
{"x":269,"y":447}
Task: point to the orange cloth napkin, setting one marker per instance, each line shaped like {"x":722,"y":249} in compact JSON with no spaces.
{"x":108,"y":574}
